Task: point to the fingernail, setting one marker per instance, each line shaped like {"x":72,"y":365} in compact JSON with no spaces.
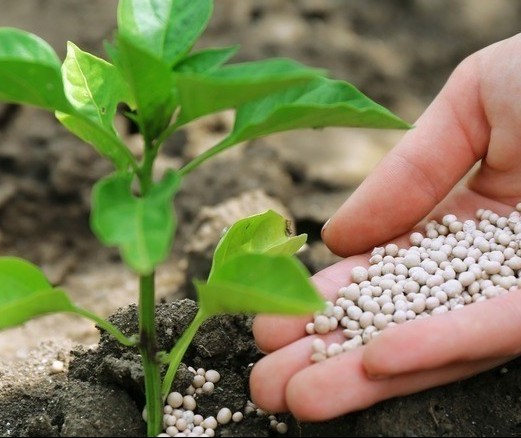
{"x":324,"y":227}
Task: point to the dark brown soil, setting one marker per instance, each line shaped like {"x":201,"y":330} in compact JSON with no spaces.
{"x":103,"y":392}
{"x":399,"y":52}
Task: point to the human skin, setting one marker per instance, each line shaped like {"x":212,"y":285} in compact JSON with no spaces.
{"x":472,"y":129}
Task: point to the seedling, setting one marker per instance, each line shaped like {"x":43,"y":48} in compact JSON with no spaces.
{"x":165,"y":85}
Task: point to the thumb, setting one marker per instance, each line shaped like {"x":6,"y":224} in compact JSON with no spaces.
{"x":418,"y":173}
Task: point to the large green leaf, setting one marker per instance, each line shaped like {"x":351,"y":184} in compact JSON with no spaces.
{"x":205,"y":60}
{"x":30,"y":71}
{"x":142,"y":227}
{"x":318,"y":104}
{"x":267,"y":232}
{"x":25,"y":293}
{"x":151,"y":83}
{"x":167,"y":29}
{"x":233,"y":85}
{"x":259,"y":283}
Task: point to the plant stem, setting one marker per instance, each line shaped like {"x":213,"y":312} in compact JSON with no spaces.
{"x":177,"y":353}
{"x":145,"y":171}
{"x":214,"y":150}
{"x":166,"y":133}
{"x":107,"y":326}
{"x":148,"y":350}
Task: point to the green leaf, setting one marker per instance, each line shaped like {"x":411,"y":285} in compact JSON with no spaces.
{"x":167,"y":29}
{"x":151,"y":83}
{"x":142,"y":228}
{"x":93,"y":86}
{"x":267,"y":232}
{"x":25,"y":293}
{"x":233,"y":85}
{"x":205,"y":60}
{"x":30,"y":71}
{"x":19,"y":277}
{"x":106,"y":142}
{"x":259,"y":283}
{"x":318,"y":104}
{"x":315,"y":104}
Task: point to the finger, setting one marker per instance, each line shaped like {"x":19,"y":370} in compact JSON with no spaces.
{"x":271,"y":374}
{"x":418,"y":173}
{"x":486,"y":329}
{"x":273,"y":332}
{"x":498,"y":176}
{"x":340,"y":385}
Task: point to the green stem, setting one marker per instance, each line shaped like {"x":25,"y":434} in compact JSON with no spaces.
{"x":107,"y":326}
{"x":200,"y":158}
{"x":178,"y":351}
{"x":197,"y":161}
{"x":146,"y":310}
{"x":145,"y":170}
{"x":148,"y":350}
{"x":166,"y":133}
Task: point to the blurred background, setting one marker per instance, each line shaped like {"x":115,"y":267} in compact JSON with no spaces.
{"x":398,"y":52}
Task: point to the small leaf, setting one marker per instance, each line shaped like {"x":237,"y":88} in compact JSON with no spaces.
{"x":93,"y":86}
{"x":142,"y":228}
{"x":30,"y":71}
{"x":151,"y":83}
{"x":25,"y":293}
{"x":205,"y":60}
{"x":318,"y":104}
{"x":259,"y":283}
{"x":167,"y":29}
{"x":106,"y":142}
{"x":235,"y":84}
{"x":262,"y":233}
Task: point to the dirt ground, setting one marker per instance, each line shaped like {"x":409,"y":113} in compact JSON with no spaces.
{"x":398,"y":52}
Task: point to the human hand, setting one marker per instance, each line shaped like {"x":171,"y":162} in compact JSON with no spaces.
{"x":474,"y":118}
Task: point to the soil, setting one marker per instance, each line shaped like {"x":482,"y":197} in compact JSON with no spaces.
{"x":398,"y":52}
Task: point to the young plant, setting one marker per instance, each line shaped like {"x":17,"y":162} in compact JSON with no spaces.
{"x":165,"y":85}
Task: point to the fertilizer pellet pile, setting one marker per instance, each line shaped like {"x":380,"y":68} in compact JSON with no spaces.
{"x":450,"y":265}
{"x":181,"y":420}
